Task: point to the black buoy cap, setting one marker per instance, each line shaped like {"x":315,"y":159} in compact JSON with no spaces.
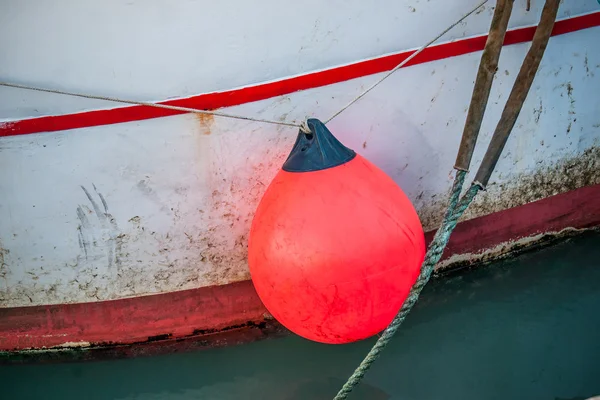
{"x":316,"y":150}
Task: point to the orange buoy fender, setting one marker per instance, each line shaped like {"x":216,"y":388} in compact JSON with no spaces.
{"x":335,"y":244}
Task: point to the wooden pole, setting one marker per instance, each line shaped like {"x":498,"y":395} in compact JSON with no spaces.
{"x":483,"y":83}
{"x":519,"y":92}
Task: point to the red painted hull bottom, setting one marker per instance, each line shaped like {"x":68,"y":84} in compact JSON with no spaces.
{"x":233,"y":313}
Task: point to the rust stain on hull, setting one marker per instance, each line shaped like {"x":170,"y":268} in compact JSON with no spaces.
{"x":205,"y":122}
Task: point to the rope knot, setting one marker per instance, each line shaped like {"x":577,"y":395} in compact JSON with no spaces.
{"x":304,"y":127}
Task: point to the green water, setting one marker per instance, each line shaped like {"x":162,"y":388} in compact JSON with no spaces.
{"x":528,"y":328}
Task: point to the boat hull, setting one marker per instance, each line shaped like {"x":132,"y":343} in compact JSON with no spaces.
{"x":129,"y":224}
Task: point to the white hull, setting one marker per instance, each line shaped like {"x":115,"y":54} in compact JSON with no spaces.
{"x":171,"y":199}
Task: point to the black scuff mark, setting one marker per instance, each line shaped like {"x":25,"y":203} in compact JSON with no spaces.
{"x":100,"y":234}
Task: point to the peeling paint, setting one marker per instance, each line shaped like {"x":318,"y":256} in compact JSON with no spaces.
{"x":4,"y":271}
{"x":566,"y":174}
{"x":537,"y":112}
{"x":504,"y":250}
{"x":72,"y":345}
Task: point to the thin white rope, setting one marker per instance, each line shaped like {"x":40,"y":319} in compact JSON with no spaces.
{"x":149,"y":104}
{"x":303,"y":126}
{"x":403,"y":63}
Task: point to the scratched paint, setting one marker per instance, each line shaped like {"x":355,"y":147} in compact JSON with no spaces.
{"x":164,"y":205}
{"x":98,"y":233}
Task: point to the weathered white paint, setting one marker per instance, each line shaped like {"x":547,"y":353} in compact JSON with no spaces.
{"x":154,"y":49}
{"x":180,"y":192}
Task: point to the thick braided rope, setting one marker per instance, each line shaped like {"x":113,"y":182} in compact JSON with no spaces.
{"x":454,"y":211}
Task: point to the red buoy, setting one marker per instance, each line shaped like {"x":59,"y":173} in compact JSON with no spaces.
{"x":335,"y":244}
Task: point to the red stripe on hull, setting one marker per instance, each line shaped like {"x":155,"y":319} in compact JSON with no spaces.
{"x":211,"y":101}
{"x":200,"y":311}
{"x":576,"y":209}
{"x":138,"y":319}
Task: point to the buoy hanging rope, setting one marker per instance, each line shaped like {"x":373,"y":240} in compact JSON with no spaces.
{"x":457,"y":207}
{"x":148,"y":104}
{"x":302,"y":125}
{"x":403,"y":63}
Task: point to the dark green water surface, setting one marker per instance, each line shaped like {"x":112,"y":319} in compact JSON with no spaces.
{"x":528,"y":328}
